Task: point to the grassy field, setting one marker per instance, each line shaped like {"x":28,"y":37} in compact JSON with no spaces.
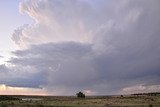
{"x":97,"y":101}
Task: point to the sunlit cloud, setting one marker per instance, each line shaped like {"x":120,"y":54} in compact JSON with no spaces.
{"x":7,"y":90}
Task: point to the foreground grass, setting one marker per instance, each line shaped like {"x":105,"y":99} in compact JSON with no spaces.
{"x":100,"y":101}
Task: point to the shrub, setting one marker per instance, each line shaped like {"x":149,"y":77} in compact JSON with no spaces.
{"x":3,"y":105}
{"x":40,"y":105}
{"x":80,"y":95}
{"x":150,"y":105}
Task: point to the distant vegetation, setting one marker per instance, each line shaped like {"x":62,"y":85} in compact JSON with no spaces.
{"x":80,"y":95}
{"x":4,"y":97}
{"x":149,"y":94}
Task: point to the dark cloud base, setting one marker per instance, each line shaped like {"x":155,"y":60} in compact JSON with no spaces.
{"x":74,"y":66}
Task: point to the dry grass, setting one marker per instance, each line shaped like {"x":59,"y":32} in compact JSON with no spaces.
{"x":105,"y":101}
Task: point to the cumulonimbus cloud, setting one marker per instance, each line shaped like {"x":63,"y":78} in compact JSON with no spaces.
{"x":103,"y":46}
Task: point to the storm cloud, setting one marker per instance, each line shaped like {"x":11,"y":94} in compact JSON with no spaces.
{"x":105,"y":46}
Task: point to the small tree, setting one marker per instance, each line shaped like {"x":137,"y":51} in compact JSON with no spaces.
{"x":80,"y":95}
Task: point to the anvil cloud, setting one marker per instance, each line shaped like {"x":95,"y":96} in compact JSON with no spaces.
{"x":104,"y":46}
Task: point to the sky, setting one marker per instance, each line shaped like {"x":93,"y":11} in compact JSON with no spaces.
{"x":10,"y":19}
{"x":61,"y":47}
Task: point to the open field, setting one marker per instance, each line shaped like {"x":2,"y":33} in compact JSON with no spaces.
{"x":94,"y":101}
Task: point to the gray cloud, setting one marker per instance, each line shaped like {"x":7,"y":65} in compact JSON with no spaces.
{"x":73,"y":66}
{"x":53,"y":65}
{"x":20,"y":76}
{"x":102,"y":46}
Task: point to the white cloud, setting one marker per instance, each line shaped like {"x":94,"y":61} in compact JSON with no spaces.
{"x":55,"y":21}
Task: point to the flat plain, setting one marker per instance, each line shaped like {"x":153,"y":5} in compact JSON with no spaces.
{"x":73,"y":101}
